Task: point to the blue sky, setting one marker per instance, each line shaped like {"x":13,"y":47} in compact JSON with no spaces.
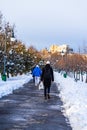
{"x":42,"y":23}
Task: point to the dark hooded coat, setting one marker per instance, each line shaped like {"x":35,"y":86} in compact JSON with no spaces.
{"x":47,"y":81}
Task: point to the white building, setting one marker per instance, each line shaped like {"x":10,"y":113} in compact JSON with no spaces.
{"x":59,"y":48}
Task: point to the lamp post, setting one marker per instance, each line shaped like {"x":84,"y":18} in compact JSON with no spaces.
{"x":11,"y":39}
{"x":65,"y":73}
{"x":4,"y":71}
{"x":62,"y":53}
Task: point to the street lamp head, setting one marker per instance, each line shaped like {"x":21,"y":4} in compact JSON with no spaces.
{"x":12,"y":35}
{"x":62,"y":53}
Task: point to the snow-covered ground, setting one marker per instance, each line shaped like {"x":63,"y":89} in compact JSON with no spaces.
{"x":73,"y":95}
{"x":12,"y":83}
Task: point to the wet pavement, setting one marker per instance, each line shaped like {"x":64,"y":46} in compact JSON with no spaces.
{"x":26,"y":109}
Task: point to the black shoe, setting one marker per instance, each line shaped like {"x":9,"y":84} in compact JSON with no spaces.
{"x":48,"y":96}
{"x":45,"y":97}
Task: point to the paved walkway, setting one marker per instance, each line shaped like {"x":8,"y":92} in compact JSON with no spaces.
{"x":26,"y":109}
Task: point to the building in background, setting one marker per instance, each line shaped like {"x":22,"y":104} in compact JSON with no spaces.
{"x":59,"y":48}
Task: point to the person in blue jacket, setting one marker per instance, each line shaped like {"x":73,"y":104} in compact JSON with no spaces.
{"x":37,"y":74}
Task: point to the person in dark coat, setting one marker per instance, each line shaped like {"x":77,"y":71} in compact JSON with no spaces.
{"x":47,"y":80}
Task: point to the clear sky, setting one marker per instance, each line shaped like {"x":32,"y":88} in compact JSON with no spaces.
{"x":42,"y":23}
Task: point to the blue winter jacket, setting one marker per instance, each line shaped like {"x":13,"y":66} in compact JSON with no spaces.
{"x":37,"y":72}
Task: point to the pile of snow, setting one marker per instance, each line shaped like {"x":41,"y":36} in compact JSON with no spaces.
{"x":12,"y":83}
{"x":74,"y":97}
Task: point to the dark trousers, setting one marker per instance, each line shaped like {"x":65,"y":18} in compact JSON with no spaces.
{"x":46,"y":90}
{"x":34,"y":79}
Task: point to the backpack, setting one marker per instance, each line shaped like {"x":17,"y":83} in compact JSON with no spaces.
{"x":47,"y":73}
